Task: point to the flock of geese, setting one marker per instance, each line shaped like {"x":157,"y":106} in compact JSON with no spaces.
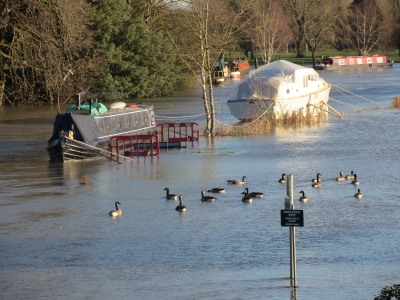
{"x":248,"y":196}
{"x":317,"y":182}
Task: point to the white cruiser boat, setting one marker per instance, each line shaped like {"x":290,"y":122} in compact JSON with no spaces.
{"x":278,"y":89}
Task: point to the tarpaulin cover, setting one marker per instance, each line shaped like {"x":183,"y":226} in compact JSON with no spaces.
{"x":267,"y":80}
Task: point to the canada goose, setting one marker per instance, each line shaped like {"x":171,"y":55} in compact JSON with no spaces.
{"x":358,"y":195}
{"x":205,"y":198}
{"x":283,"y":179}
{"x":341,"y":177}
{"x":170,"y":196}
{"x":351,"y":175}
{"x":116,"y":212}
{"x":246,"y":198}
{"x":318,"y":179}
{"x":180,"y":207}
{"x":316,"y":184}
{"x":237,"y":181}
{"x":254,"y":194}
{"x":303,"y":198}
{"x":217,"y":190}
{"x":355,"y":181}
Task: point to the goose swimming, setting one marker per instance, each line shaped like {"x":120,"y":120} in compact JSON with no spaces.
{"x":170,"y":196}
{"x":303,"y":198}
{"x":205,"y":198}
{"x":282,"y":179}
{"x":318,"y":179}
{"x":254,"y":194}
{"x":358,"y":195}
{"x":246,"y":198}
{"x":117,"y":211}
{"x":341,"y":177}
{"x":180,"y":207}
{"x":355,"y":181}
{"x":237,"y":181}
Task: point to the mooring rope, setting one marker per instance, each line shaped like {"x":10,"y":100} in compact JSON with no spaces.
{"x":354,"y":94}
{"x":344,"y":103}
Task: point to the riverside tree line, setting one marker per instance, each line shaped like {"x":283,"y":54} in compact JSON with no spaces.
{"x":52,"y":49}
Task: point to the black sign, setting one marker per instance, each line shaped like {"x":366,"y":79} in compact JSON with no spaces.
{"x":292,"y":217}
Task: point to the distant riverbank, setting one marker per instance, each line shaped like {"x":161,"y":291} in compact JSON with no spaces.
{"x":307,"y":59}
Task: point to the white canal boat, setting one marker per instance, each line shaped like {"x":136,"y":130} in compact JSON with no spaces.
{"x":278,"y":89}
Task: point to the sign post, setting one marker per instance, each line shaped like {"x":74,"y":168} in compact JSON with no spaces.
{"x":292,"y":218}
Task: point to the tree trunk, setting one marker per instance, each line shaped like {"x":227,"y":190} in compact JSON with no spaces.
{"x":212,"y":108}
{"x":300,"y":46}
{"x":204,"y":77}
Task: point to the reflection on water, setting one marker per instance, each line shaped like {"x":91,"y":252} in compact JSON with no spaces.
{"x":59,"y":242}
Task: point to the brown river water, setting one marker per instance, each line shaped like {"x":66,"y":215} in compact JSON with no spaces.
{"x":58,"y":242}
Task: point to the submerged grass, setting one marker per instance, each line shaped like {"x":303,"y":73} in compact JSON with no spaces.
{"x":265,"y":125}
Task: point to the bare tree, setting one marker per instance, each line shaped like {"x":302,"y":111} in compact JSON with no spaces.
{"x":391,"y":14}
{"x":41,"y":42}
{"x":312,"y":21}
{"x":271,"y":29}
{"x":206,"y":28}
{"x":364,"y":29}
{"x":320,"y":25}
{"x":297,"y":12}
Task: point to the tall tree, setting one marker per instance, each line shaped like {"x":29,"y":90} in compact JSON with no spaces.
{"x":206,"y":27}
{"x":297,"y":12}
{"x":271,"y":30}
{"x":391,"y":12}
{"x":319,"y":26}
{"x":363,"y":29}
{"x":139,"y":61}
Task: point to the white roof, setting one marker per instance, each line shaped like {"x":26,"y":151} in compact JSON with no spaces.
{"x":265,"y":81}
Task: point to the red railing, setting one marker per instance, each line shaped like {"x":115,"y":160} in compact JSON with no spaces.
{"x":178,"y":132}
{"x":134,"y":145}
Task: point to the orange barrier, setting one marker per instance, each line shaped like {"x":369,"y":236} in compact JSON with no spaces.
{"x":134,"y":145}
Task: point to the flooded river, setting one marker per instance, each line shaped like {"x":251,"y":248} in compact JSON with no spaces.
{"x":58,"y":242}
